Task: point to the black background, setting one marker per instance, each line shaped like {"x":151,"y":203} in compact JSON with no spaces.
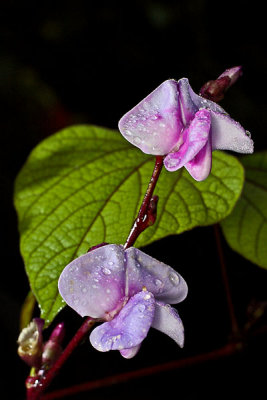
{"x":90,"y":62}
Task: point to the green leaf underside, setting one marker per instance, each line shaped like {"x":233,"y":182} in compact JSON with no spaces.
{"x":246,"y":228}
{"x":84,"y":185}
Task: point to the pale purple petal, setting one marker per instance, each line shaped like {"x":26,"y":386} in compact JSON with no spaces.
{"x":160,"y":279}
{"x":186,"y":103}
{"x":128,"y":328}
{"x":195,"y":138}
{"x":130,"y":353}
{"x":199,"y":168}
{"x":192,"y":102}
{"x":154,"y":124}
{"x":228,"y":134}
{"x":94,"y":284}
{"x":167,"y":320}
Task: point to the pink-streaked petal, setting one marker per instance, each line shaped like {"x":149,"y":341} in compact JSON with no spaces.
{"x":128,"y":328}
{"x":154,"y":125}
{"x":160,"y":279}
{"x":167,"y":320}
{"x":94,"y":284}
{"x":130,"y":353}
{"x":228,"y":134}
{"x":191,"y":102}
{"x":199,"y":168}
{"x":195,"y":138}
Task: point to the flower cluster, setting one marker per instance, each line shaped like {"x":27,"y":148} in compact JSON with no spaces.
{"x":127,"y":289}
{"x":175,"y":122}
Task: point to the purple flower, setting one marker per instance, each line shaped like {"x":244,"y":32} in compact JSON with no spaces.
{"x":176,"y":122}
{"x":129,"y":290}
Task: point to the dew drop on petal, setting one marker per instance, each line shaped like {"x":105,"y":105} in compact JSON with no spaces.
{"x":137,"y":140}
{"x":174,"y":278}
{"x":106,"y":271}
{"x":141,"y":308}
{"x":158,"y":283}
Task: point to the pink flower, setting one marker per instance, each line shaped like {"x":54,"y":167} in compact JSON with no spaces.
{"x":175,"y":122}
{"x":129,"y":290}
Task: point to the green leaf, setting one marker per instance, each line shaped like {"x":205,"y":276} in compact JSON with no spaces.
{"x":84,"y":185}
{"x":246,"y":228}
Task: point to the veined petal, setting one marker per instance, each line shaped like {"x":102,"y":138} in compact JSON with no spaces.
{"x":199,"y":168}
{"x":94,"y":284}
{"x":158,"y":278}
{"x":195,"y":138}
{"x":154,"y":125}
{"x":167,"y":320}
{"x":129,"y":328}
{"x":228,"y":134}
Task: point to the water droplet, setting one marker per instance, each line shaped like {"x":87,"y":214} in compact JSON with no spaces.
{"x":110,"y":263}
{"x":106,"y":271}
{"x":128,"y":133}
{"x":172,"y":162}
{"x":174,"y":278}
{"x":84,"y":289}
{"x":141,"y":307}
{"x":137,"y":140}
{"x":158,"y":282}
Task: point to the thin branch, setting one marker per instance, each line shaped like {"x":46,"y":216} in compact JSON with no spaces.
{"x":143,"y":221}
{"x":225,"y":351}
{"x":234,"y":323}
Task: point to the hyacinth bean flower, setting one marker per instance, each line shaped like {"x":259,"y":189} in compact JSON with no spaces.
{"x":127,"y":289}
{"x":175,"y":122}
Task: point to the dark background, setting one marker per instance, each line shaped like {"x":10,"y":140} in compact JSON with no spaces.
{"x":90,"y":62}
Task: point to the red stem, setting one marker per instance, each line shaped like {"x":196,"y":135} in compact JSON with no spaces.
{"x":224,"y":351}
{"x":142,"y":220}
{"x":41,"y":382}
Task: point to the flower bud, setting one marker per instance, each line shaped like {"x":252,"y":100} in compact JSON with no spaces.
{"x":30,"y":343}
{"x":52,"y":348}
{"x":215,"y":90}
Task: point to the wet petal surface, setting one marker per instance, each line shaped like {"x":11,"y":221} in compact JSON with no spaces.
{"x":195,"y":138}
{"x":167,"y":320}
{"x":129,"y":328}
{"x":160,"y":279}
{"x":94,"y":284}
{"x":154,"y":124}
{"x":228,"y":134}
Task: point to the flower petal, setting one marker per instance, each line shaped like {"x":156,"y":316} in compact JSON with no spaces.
{"x":158,"y":278}
{"x":195,"y":138}
{"x":154,"y":124}
{"x":187,"y":105}
{"x":129,"y":328}
{"x":228,"y":134}
{"x":199,"y":168}
{"x":94,"y":284}
{"x":130,"y":353}
{"x":167,"y":320}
